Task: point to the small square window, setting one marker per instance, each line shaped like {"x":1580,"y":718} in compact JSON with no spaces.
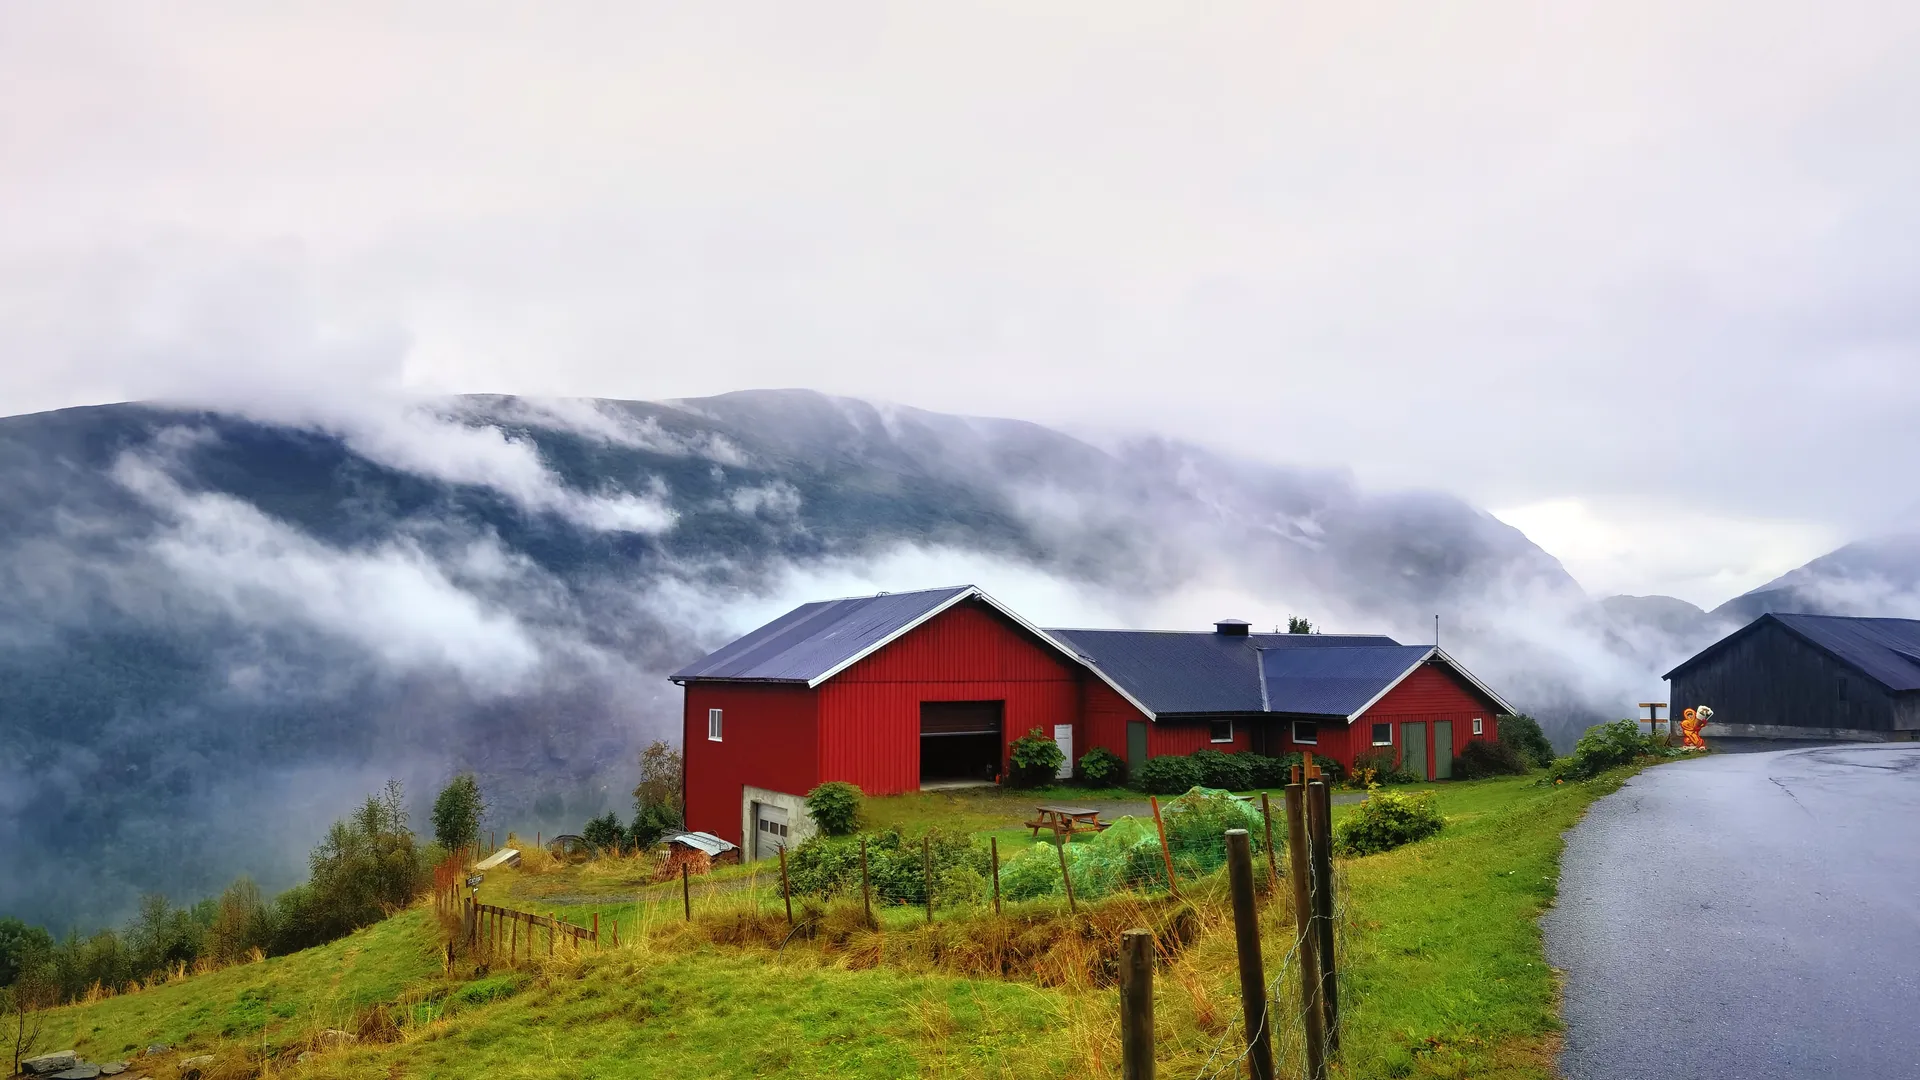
{"x":1220,"y":731}
{"x":713,"y":725}
{"x":1479,"y":727}
{"x":1383,"y":734}
{"x":1306,"y":732}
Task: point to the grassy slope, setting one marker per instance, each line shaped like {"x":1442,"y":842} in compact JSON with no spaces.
{"x":1445,"y":976}
{"x":261,"y":1004}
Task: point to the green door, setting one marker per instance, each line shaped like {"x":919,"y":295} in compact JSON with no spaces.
{"x":1413,"y":749}
{"x":1136,"y":746}
{"x":1443,"y":749}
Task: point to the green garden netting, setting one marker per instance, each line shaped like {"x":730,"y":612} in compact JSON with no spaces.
{"x":1126,"y":855}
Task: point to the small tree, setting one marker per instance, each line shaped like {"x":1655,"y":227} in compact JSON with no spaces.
{"x":32,"y":991}
{"x":835,"y":807}
{"x":1036,"y":759}
{"x":1298,"y":625}
{"x":457,"y":813}
{"x":604,"y":831}
{"x":658,"y":806}
{"x":1522,"y":732}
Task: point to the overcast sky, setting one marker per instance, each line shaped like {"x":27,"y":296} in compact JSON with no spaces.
{"x":1639,"y":277}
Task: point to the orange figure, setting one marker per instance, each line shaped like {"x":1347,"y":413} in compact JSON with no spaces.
{"x":1691,"y":722}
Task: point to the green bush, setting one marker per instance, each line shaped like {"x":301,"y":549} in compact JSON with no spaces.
{"x":1101,"y":767}
{"x":829,"y":867}
{"x":1330,"y":770}
{"x":1523,"y":733}
{"x":1036,"y":760}
{"x":1228,"y":772}
{"x":835,"y":806}
{"x":1169,"y":775}
{"x":1482,"y":759}
{"x":1267,"y":772}
{"x":1603,"y":747}
{"x":457,"y":813}
{"x":1386,"y":820}
{"x":1380,"y":765}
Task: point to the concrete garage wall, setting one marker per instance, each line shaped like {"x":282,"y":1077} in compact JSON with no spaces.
{"x":800,"y":824}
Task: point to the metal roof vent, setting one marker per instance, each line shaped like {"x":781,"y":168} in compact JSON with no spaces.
{"x":1231,"y":628}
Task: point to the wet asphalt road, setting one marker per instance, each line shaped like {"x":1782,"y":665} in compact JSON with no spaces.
{"x":1746,"y":916}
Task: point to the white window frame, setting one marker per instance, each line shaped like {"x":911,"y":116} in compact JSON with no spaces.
{"x":715,"y":719}
{"x":1388,"y":741}
{"x":1213,"y":738}
{"x":1312,"y":728}
{"x":1479,"y":726}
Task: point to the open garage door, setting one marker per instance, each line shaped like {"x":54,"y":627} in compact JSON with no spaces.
{"x":960,"y":740}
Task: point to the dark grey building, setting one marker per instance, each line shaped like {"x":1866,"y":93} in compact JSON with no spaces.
{"x":1808,"y":677}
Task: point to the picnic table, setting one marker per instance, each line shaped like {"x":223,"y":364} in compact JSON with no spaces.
{"x":1063,"y":820}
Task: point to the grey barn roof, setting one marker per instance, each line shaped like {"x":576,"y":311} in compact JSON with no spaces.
{"x":1178,"y":672}
{"x":1885,"y":650}
{"x":1172,"y":673}
{"x":816,"y":639}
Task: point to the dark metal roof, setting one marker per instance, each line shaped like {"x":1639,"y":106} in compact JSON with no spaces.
{"x":1173,"y":672}
{"x":814,"y":639}
{"x":1884,"y":650}
{"x":1337,"y":681}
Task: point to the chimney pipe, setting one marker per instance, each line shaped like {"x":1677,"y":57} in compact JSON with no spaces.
{"x":1231,"y":628}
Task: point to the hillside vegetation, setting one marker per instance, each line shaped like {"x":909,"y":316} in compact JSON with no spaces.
{"x":1445,"y":975}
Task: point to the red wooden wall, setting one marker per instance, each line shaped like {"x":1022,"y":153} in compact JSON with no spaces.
{"x":1186,"y":736}
{"x":769,"y":738}
{"x":1432,"y":693}
{"x":1104,"y":716}
{"x":870,"y":713}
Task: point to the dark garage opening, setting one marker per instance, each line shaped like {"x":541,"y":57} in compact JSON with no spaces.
{"x":959,"y":741}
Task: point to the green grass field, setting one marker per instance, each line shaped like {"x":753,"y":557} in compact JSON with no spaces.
{"x":1444,"y":975}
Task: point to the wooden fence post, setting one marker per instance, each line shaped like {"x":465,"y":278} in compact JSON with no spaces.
{"x":926,"y":863}
{"x":1136,"y":1005}
{"x":1253,"y":970}
{"x":1320,"y":818}
{"x":1066,"y":879}
{"x":616,"y":933}
{"x":1166,"y":852}
{"x":866,"y":891}
{"x":596,"y":931}
{"x":786,"y":889}
{"x":1273,"y":871}
{"x":553,"y":930}
{"x":993,"y":855}
{"x":686,"y":891}
{"x":513,"y":942}
{"x":1304,"y":936}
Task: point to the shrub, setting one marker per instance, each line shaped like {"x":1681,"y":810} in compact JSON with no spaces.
{"x":835,"y":806}
{"x":1228,"y":772}
{"x":1267,"y":772}
{"x":1603,"y":747}
{"x":604,"y":831}
{"x":1169,"y":775}
{"x":1330,"y":769}
{"x":651,"y":822}
{"x":1386,"y":820}
{"x":1101,"y":767}
{"x":1481,"y":759}
{"x":1524,"y":735}
{"x":1379,"y":765}
{"x":1036,"y":760}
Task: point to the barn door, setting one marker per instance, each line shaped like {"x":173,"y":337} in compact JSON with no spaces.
{"x":1136,"y":747}
{"x":1443,"y":749}
{"x":1413,"y":749}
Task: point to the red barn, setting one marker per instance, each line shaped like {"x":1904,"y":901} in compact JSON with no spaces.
{"x":903,"y":690}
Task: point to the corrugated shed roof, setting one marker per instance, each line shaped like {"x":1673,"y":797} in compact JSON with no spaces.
{"x":1180,"y":672}
{"x":699,"y":841}
{"x":1885,"y":650}
{"x":814,"y":639}
{"x":1334,"y":681}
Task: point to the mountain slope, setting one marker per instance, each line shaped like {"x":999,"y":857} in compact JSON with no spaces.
{"x":1879,"y":577}
{"x":218,"y":631}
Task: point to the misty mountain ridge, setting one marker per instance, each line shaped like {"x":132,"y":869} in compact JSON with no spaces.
{"x":220,"y":628}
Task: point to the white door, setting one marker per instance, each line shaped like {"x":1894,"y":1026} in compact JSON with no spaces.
{"x":769,"y":831}
{"x":1063,"y":738}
